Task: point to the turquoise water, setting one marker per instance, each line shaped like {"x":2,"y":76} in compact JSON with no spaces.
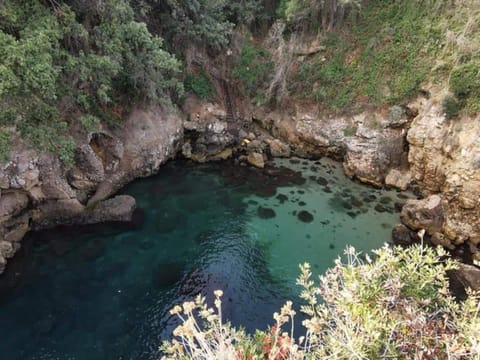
{"x":104,"y":292}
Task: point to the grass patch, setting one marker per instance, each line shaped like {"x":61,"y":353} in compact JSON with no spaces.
{"x":253,"y":68}
{"x":383,"y":59}
{"x":5,"y":138}
{"x":199,"y":84}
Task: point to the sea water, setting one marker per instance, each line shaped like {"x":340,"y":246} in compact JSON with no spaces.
{"x":105,"y":292}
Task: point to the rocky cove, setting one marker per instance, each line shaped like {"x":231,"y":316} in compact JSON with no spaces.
{"x":405,"y":147}
{"x":196,"y":228}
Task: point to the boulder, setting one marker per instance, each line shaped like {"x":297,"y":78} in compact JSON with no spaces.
{"x":6,"y":249}
{"x":12,"y":203}
{"x":398,"y":179}
{"x":402,"y":235}
{"x":119,"y":208}
{"x":441,"y":240}
{"x":3,"y":263}
{"x":369,"y":158}
{"x":468,"y":275}
{"x":278,"y":148}
{"x":424,"y":214}
{"x":222,"y":155}
{"x":256,"y":159}
{"x":88,"y":170}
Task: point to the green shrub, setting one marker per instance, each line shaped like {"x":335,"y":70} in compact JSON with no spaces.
{"x":451,"y":106}
{"x":465,"y":80}
{"x":89,"y":123}
{"x":397,"y":306}
{"x":57,"y":59}
{"x":199,"y":84}
{"x":253,"y":67}
{"x":4,"y":146}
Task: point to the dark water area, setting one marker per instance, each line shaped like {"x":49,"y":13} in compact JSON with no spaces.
{"x":104,"y":292}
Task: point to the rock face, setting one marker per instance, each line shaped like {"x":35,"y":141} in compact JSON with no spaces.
{"x":36,"y":192}
{"x":424,"y":214}
{"x":444,"y":158}
{"x":370,"y":144}
{"x":398,"y":179}
{"x":208,"y":133}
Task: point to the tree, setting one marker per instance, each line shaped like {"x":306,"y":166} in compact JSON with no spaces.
{"x":311,"y":13}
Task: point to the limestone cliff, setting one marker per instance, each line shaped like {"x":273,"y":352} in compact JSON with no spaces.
{"x":444,"y":159}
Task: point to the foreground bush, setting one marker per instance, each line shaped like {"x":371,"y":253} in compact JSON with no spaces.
{"x":394,"y":307}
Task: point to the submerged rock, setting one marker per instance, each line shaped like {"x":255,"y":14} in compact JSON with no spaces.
{"x":322,"y":181}
{"x":265,"y":213}
{"x":305,"y":216}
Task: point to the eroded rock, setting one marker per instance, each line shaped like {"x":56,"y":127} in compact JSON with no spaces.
{"x":398,"y":179}
{"x":425,"y":214}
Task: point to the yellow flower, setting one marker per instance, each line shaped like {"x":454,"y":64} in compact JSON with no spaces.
{"x":218,"y":293}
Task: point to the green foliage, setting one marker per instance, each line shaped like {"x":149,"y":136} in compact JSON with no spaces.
{"x":89,"y":122}
{"x":315,"y":14}
{"x":397,"y":306}
{"x":202,"y":21}
{"x":245,"y":12}
{"x":282,"y":9}
{"x":465,"y":80}
{"x":451,"y":106}
{"x":4,"y":146}
{"x":199,"y":85}
{"x":381,"y":60}
{"x":465,"y":84}
{"x":56,"y":59}
{"x":253,"y":67}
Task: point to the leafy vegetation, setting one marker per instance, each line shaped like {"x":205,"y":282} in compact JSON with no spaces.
{"x":4,"y":146}
{"x":199,"y":85}
{"x":253,"y":67}
{"x":316,"y":14}
{"x":60,"y":58}
{"x":451,"y":106}
{"x":388,"y":53}
{"x":397,"y":306}
{"x":465,"y":85}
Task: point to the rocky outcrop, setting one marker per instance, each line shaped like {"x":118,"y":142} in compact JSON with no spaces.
{"x":370,"y":144}
{"x":119,"y":208}
{"x":208,"y":133}
{"x":398,"y":179}
{"x":424,"y":214}
{"x":36,"y":192}
{"x":444,"y":159}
